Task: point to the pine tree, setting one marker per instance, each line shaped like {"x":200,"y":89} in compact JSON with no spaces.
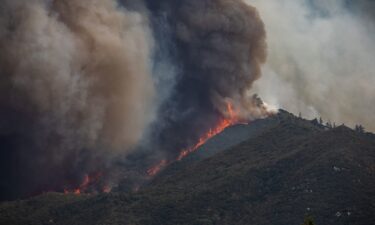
{"x":359,"y":129}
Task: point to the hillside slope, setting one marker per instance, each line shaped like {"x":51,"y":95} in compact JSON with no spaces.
{"x":276,"y":177}
{"x":237,"y":134}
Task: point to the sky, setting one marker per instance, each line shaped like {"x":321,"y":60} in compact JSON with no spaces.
{"x":321,"y":58}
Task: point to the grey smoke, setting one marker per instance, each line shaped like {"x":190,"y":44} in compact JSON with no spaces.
{"x":75,"y":77}
{"x":218,"y":48}
{"x":86,"y":82}
{"x":321,"y":58}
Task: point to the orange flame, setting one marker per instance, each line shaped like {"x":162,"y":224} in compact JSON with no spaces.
{"x":88,"y":181}
{"x":156,"y":169}
{"x":224,"y":123}
{"x":107,"y":189}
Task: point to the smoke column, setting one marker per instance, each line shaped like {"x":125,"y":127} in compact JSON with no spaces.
{"x":321,"y":58}
{"x":106,"y":87}
{"x":76,"y":87}
{"x":218,"y":48}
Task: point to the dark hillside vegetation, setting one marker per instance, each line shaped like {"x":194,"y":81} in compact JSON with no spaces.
{"x":289,"y":169}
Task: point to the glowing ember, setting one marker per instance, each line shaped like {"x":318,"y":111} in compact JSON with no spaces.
{"x":88,"y":182}
{"x":224,"y":123}
{"x":156,"y":169}
{"x":107,"y":189}
{"x":204,"y":139}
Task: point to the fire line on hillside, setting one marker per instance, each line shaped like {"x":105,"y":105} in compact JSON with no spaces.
{"x":221,"y":126}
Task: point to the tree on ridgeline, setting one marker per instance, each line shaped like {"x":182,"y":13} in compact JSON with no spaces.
{"x":360,"y":129}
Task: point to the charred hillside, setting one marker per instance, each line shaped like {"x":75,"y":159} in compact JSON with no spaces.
{"x":289,"y":168}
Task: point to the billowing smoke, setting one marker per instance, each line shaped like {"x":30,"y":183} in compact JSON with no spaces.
{"x":89,"y":86}
{"x":321,"y":58}
{"x":218,"y":46}
{"x":76,"y":87}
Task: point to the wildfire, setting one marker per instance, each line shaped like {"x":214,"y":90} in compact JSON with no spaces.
{"x":107,"y":189}
{"x":224,"y":123}
{"x":155,"y":169}
{"x":202,"y":140}
{"x":88,"y":182}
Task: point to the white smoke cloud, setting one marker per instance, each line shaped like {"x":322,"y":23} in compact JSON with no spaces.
{"x":321,"y":59}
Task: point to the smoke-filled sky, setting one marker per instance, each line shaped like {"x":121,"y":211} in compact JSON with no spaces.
{"x":96,"y":86}
{"x":84,"y":83}
{"x":218,"y":47}
{"x":321,"y":58}
{"x":76,"y":87}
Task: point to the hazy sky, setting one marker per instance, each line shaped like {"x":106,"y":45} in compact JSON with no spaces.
{"x":321,"y":58}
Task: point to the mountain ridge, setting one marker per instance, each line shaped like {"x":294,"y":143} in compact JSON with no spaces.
{"x":292,"y":168}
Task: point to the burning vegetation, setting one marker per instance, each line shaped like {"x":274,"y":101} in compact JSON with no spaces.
{"x":222,"y":124}
{"x":117,"y":85}
{"x":90,"y":184}
{"x":231,"y":119}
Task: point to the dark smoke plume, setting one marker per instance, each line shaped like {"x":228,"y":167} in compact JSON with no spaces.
{"x":219,"y":46}
{"x":84,"y":82}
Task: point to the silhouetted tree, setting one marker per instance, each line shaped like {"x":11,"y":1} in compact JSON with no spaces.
{"x":320,"y":121}
{"x":359,"y":129}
